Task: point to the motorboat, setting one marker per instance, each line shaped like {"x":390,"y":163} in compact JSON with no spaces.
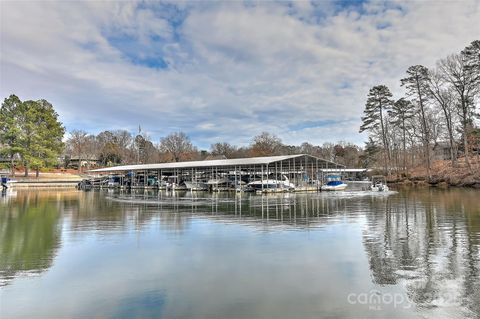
{"x":334,"y":183}
{"x":272,"y":185}
{"x":114,"y":181}
{"x":217,"y":181}
{"x":196,"y":186}
{"x":179,"y":186}
{"x":379,"y":184}
{"x":334,"y":186}
{"x":218,"y":184}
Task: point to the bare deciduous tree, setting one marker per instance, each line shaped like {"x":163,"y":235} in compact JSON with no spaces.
{"x":177,"y":145}
{"x":266,"y":144}
{"x":78,"y":144}
{"x":225,"y":149}
{"x":443,"y":96}
{"x":462,"y":72}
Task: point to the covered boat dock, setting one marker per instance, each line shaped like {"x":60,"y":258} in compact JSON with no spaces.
{"x":304,"y":171}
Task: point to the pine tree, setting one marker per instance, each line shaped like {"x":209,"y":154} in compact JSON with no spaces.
{"x":472,"y":56}
{"x":402,"y":110}
{"x":10,"y":129}
{"x":370,"y":151}
{"x":379,"y":101}
{"x":40,"y":136}
{"x":416,"y":83}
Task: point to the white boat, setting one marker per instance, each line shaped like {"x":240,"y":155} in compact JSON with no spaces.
{"x":379,"y":184}
{"x":196,"y":186}
{"x":334,"y":183}
{"x":177,"y":187}
{"x":113,"y":181}
{"x":218,"y":184}
{"x":272,"y":185}
{"x":217,"y":181}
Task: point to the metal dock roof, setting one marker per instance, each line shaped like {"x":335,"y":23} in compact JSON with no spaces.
{"x":210,"y":163}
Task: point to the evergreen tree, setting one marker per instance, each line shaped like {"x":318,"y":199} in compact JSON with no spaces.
{"x":416,"y":83}
{"x":402,"y":110}
{"x":10,"y":129}
{"x":472,"y":56}
{"x":379,"y":101}
{"x":370,"y":151}
{"x":41,"y":135}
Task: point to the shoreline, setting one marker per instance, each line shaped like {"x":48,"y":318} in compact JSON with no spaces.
{"x":417,"y":182}
{"x":442,"y":174}
{"x":44,"y":184}
{"x":438,"y":181}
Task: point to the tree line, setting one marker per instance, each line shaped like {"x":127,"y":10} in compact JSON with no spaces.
{"x":32,"y":137}
{"x":121,"y":147}
{"x":440,"y":104}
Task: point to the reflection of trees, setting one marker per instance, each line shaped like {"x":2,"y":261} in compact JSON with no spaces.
{"x":130,"y":210}
{"x":30,"y":234}
{"x":90,"y":211}
{"x":429,"y":242}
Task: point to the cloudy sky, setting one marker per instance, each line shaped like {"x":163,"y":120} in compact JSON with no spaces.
{"x":222,"y":71}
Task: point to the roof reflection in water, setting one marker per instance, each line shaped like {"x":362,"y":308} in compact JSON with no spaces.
{"x":267,"y":212}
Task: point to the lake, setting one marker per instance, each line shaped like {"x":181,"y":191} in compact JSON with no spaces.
{"x":414,"y":253}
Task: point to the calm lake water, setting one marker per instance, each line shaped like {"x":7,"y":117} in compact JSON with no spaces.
{"x":74,"y":254}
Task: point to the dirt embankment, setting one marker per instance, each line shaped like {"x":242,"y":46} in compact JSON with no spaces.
{"x":51,"y":175}
{"x":443,"y":174}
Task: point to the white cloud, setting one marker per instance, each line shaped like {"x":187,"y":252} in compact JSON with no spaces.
{"x":232,"y":70}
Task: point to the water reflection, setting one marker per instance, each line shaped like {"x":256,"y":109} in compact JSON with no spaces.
{"x":30,"y":234}
{"x":281,"y":249}
{"x":429,"y":242}
{"x":266,"y":212}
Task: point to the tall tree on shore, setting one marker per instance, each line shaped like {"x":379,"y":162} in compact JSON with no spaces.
{"x":10,"y":129}
{"x":78,"y":143}
{"x":224,"y":149}
{"x":266,"y":144}
{"x":472,"y":56}
{"x":114,"y":147}
{"x":41,"y":135}
{"x":146,"y":151}
{"x":416,"y":84}
{"x":443,"y":96}
{"x":177,"y":145}
{"x":402,"y":110}
{"x":379,"y":101}
{"x":462,"y":72}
